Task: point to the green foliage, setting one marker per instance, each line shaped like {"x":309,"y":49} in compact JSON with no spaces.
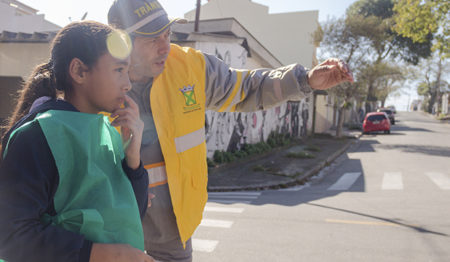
{"x":218,"y":157}
{"x":259,"y":168}
{"x":274,"y":140}
{"x":418,"y":20}
{"x":313,"y":148}
{"x":210,"y":162}
{"x":301,"y":155}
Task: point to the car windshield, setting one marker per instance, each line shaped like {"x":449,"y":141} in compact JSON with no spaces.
{"x":376,"y":118}
{"x":386,"y":111}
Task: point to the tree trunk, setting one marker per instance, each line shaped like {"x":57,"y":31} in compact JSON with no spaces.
{"x":340,"y":121}
{"x":334,"y":114}
{"x":432,"y":101}
{"x":438,"y":84}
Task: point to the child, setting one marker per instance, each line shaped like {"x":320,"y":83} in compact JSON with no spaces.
{"x":68,"y":191}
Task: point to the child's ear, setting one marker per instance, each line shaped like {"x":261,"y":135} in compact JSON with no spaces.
{"x":78,"y":70}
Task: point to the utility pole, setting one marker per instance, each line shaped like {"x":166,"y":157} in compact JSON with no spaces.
{"x":197,"y":15}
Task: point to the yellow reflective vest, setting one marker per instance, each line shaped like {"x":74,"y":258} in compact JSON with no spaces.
{"x":177,"y":99}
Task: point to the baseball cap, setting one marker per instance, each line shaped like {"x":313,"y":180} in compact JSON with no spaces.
{"x":140,"y":17}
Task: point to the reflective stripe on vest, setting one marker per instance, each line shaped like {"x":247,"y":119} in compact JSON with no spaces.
{"x":190,"y":140}
{"x":156,"y":174}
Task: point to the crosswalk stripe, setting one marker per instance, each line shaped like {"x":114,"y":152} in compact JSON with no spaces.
{"x":228,"y":201}
{"x":224,"y":209}
{"x":345,"y":181}
{"x":216,"y":223}
{"x":440,"y":180}
{"x":234,"y":193}
{"x":202,"y":245}
{"x":392,"y":181}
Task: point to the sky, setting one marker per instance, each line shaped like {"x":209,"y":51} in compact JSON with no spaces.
{"x":61,"y":12}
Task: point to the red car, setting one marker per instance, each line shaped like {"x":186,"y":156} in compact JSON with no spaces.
{"x":376,"y":121}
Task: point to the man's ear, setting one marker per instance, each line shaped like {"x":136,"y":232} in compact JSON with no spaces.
{"x":78,"y":70}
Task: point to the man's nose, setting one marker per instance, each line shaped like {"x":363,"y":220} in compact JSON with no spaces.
{"x":163,"y":46}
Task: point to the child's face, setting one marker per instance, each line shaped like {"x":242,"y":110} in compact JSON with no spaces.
{"x":107,"y":84}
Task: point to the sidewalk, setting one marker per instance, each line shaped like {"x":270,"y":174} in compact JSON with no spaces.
{"x":276,"y":170}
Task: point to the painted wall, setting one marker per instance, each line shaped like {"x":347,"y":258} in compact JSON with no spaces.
{"x":229,"y":131}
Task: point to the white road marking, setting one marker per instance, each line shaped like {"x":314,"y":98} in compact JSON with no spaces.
{"x":441,"y":180}
{"x":216,"y":223}
{"x":392,"y":181}
{"x":345,"y":182}
{"x":202,"y":245}
{"x":224,"y":209}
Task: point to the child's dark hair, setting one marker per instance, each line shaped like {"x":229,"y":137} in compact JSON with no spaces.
{"x":84,"y":40}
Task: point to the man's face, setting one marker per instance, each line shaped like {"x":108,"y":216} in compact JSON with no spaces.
{"x":149,"y":56}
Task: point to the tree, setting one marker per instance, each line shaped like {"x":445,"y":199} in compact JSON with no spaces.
{"x":431,"y":85}
{"x":417,"y":19}
{"x":337,"y":40}
{"x":373,"y":20}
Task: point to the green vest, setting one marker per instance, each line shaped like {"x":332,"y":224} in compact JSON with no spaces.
{"x":94,"y":196}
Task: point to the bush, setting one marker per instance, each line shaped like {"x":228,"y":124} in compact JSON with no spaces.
{"x":218,"y":157}
{"x":210,"y":162}
{"x":274,"y":140}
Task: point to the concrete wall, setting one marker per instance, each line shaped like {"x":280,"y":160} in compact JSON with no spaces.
{"x":286,"y":35}
{"x":19,"y":59}
{"x":12,"y":19}
{"x":324,"y":114}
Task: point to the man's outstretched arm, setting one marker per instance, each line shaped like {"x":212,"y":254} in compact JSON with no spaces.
{"x":230,"y":90}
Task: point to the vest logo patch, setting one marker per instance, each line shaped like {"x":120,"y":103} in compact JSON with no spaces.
{"x":189,"y":99}
{"x":189,"y":95}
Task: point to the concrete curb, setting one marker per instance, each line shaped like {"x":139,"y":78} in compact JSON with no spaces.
{"x":292,"y":182}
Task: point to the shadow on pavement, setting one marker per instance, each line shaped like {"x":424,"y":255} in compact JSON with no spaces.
{"x":407,"y":129}
{"x":427,"y":150}
{"x":306,"y":195}
{"x":396,"y":222}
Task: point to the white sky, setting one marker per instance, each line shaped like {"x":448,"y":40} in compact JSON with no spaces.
{"x":61,"y":11}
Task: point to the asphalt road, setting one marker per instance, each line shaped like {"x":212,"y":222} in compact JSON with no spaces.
{"x":386,"y":199}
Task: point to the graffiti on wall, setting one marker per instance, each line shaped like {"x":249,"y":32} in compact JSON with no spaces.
{"x":230,"y":131}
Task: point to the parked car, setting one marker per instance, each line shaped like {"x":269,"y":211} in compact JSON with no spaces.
{"x":392,"y":108}
{"x":375,"y":122}
{"x":389,"y":113}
